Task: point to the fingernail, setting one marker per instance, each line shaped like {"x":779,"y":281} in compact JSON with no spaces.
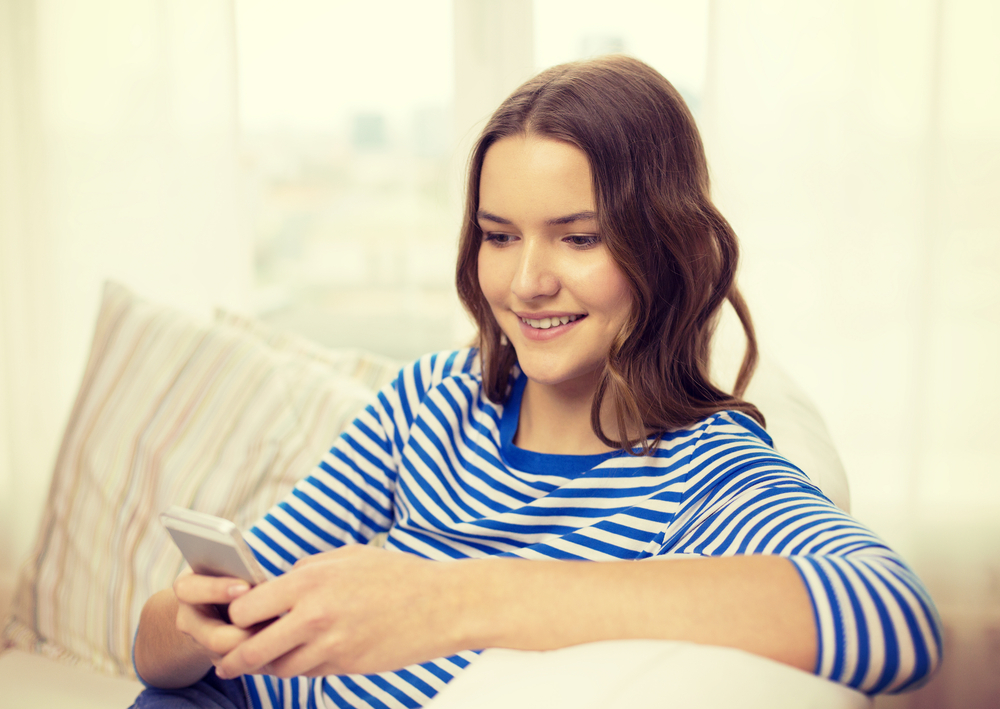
{"x":238,"y":589}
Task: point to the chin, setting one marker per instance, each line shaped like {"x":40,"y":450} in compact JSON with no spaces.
{"x":556,"y":374}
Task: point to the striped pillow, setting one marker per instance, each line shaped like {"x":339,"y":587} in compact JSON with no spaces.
{"x":222,"y":418}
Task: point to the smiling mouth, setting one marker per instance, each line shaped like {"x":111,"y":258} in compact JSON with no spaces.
{"x":546,"y":323}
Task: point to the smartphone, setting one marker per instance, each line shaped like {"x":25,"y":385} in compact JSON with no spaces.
{"x":212,"y":546}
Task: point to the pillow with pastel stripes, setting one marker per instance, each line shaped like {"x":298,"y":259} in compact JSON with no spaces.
{"x":222,"y":417}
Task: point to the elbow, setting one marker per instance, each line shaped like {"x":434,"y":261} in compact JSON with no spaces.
{"x":923,"y":660}
{"x":878,"y":629}
{"x":910,"y":654}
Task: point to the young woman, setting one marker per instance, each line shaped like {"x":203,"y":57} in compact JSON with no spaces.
{"x":582,"y":428}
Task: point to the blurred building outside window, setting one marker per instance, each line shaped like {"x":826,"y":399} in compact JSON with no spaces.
{"x":345,"y":143}
{"x":669,"y":35}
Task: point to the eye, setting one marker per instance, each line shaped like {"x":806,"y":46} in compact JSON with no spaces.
{"x":583,"y":241}
{"x":498,"y":238}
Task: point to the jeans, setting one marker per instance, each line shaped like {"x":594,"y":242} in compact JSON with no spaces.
{"x":209,"y":692}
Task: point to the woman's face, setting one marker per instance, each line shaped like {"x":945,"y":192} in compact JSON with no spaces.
{"x":553,"y":287}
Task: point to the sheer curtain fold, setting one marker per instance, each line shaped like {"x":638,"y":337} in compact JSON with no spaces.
{"x":117,"y":160}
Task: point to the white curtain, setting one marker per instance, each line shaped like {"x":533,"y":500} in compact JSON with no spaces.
{"x":117,"y":160}
{"x":855,"y":147}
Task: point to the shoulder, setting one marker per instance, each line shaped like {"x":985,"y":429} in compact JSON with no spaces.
{"x":729,"y":448}
{"x":730,"y":466}
{"x":724,"y":429}
{"x":433,"y":369}
{"x":733,"y":426}
{"x":710,"y":448}
{"x":457,"y":371}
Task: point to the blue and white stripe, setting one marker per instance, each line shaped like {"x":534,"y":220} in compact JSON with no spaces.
{"x":432,"y":464}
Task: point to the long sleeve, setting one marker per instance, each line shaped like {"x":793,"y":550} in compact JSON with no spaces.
{"x":877,"y":627}
{"x":346,"y":499}
{"x":349,"y":497}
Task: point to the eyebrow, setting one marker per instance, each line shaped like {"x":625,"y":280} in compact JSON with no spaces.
{"x":568,"y":219}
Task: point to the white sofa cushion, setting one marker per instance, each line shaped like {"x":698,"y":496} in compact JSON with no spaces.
{"x":30,"y":680}
{"x":621,"y":674}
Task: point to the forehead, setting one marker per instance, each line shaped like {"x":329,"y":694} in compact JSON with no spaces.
{"x":534,"y":177}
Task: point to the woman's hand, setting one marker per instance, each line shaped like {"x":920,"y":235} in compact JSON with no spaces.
{"x":356,"y":609}
{"x":181,"y":635}
{"x":198,"y":618}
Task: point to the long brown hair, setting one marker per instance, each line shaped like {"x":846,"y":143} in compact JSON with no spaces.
{"x":655,"y":215}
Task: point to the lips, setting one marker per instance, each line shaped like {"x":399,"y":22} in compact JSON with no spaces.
{"x":547,"y":327}
{"x":550,"y":322}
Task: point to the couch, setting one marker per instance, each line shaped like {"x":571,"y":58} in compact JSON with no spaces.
{"x":224,"y":417}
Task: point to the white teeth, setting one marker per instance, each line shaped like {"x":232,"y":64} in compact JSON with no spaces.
{"x":546,"y":323}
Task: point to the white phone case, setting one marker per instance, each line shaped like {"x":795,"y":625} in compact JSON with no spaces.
{"x":212,"y":546}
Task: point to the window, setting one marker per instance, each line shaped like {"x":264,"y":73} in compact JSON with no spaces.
{"x":346,"y":143}
{"x":669,"y":35}
{"x":356,"y":120}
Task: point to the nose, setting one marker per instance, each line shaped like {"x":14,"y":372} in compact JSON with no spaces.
{"x":536,"y":275}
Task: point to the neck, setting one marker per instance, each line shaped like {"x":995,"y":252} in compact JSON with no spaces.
{"x":556,"y":419}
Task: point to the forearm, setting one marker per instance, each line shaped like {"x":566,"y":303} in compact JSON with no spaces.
{"x":754,"y":603}
{"x":359,"y":610}
{"x":164,"y":656}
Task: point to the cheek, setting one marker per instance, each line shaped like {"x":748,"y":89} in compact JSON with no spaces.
{"x":490,"y":277}
{"x":618,"y":302}
{"x":621,"y":294}
{"x":609,"y":290}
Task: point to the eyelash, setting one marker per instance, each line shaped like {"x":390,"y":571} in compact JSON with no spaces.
{"x":580,"y":241}
{"x":498,"y":238}
{"x":589,"y":240}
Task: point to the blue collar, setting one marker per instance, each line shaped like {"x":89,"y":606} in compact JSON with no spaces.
{"x":530,"y":461}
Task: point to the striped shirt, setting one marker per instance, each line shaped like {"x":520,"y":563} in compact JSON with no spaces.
{"x":431,"y":462}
